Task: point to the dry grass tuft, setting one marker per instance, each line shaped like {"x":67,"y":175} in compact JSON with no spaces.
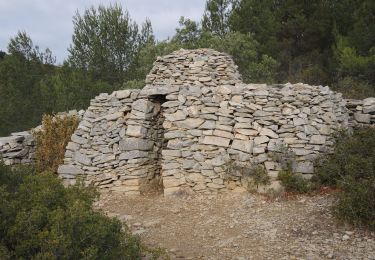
{"x":52,"y":139}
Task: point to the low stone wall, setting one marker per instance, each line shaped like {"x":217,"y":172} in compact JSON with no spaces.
{"x":116,"y":143}
{"x":18,"y":148}
{"x":361,"y":112}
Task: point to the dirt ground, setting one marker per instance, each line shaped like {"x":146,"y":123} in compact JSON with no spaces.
{"x":240,"y":226}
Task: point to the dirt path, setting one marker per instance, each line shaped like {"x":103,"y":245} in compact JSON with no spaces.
{"x":240,"y":226}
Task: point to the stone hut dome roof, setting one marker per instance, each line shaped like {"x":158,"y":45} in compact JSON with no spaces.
{"x":199,"y":67}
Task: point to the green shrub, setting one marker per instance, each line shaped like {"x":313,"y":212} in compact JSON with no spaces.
{"x":52,"y":139}
{"x":293,"y":182}
{"x":41,"y":219}
{"x":351,"y":168}
{"x":355,"y":204}
{"x":353,"y":156}
{"x":255,"y":174}
{"x":352,"y":87}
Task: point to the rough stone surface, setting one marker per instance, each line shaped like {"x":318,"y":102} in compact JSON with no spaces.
{"x":193,"y":118}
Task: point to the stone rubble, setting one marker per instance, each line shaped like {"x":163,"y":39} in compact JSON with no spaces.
{"x":193,"y":117}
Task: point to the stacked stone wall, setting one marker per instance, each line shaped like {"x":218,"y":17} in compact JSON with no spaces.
{"x":19,"y":148}
{"x":195,"y":117}
{"x":117,"y":144}
{"x":361,"y":112}
{"x":206,"y":120}
{"x":243,"y":123}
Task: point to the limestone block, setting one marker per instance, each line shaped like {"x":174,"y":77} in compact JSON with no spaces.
{"x":208,"y":124}
{"x":142,"y":105}
{"x":369,"y":101}
{"x":242,"y":145}
{"x":369,"y":109}
{"x":189,"y":123}
{"x":301,"y":151}
{"x":215,"y":140}
{"x":268,"y":132}
{"x":205,"y":79}
{"x":170,"y":104}
{"x":136,"y":131}
{"x":72,"y":146}
{"x":133,"y":154}
{"x":195,"y":178}
{"x":299,"y":121}
{"x":82,"y":158}
{"x":259,"y":150}
{"x":79,"y":140}
{"x":215,"y":186}
{"x":171,"y":166}
{"x":290,"y":140}
{"x":318,"y":139}
{"x":177,"y":116}
{"x":175,"y":144}
{"x":362,"y":118}
{"x":150,"y":90}
{"x":261,"y":140}
{"x":169,"y":182}
{"x":221,"y":133}
{"x":130,"y":144}
{"x":69,"y":169}
{"x":171,"y":153}
{"x":114,"y":116}
{"x":220,"y":160}
{"x":249,"y":132}
{"x":121,"y":94}
{"x":261,"y":158}
{"x":224,"y":90}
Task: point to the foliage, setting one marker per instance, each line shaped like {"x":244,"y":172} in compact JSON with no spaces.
{"x":22,"y":45}
{"x":291,"y":181}
{"x":354,"y":88}
{"x":303,"y":37}
{"x":216,"y":16}
{"x":256,"y":174}
{"x":105,"y":42}
{"x":20,"y":73}
{"x":354,"y":156}
{"x":294,"y":182}
{"x":352,"y":169}
{"x":52,"y":139}
{"x":355,"y":203}
{"x":40,"y":219}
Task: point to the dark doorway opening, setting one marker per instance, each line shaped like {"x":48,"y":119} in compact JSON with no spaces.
{"x":157,"y":136}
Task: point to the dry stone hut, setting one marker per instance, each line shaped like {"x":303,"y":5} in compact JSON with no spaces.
{"x":194,"y":117}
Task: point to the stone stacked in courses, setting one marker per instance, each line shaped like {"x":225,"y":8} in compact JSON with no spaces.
{"x":115,"y":143}
{"x":193,"y":118}
{"x":362,"y":112}
{"x":18,"y":148}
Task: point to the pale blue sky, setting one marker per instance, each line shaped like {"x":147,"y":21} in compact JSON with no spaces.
{"x":49,"y":22}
